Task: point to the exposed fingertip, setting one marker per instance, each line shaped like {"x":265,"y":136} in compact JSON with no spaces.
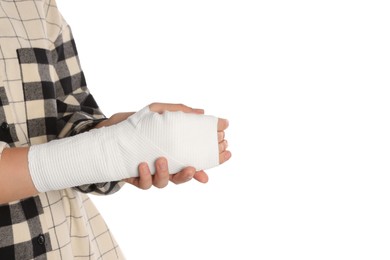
{"x":228,"y":155}
{"x":201,"y":177}
{"x":221,"y":136}
{"x":222,"y":124}
{"x":162,"y":164}
{"x":224,"y":156}
{"x":143,"y":167}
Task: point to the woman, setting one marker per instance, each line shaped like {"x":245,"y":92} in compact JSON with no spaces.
{"x":57,"y":145}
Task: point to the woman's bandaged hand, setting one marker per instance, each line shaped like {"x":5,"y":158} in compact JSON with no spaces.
{"x":114,"y":152}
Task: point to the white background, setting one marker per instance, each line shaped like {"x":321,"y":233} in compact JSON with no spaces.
{"x":305,"y":86}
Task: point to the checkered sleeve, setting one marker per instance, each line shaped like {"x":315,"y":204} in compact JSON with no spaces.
{"x":76,"y":108}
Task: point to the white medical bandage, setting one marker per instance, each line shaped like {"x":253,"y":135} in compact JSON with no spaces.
{"x":114,"y":153}
{"x":3,"y":145}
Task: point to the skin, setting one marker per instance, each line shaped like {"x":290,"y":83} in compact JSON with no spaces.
{"x":16,"y":182}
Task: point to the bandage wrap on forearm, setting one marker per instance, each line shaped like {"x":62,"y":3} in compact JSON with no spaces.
{"x":114,"y":153}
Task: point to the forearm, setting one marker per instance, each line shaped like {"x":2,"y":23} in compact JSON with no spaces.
{"x":114,"y":152}
{"x":15,"y":179}
{"x":110,"y":154}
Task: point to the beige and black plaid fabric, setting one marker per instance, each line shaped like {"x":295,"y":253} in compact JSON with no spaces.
{"x":43,"y":96}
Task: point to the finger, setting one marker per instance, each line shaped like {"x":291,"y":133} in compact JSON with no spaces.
{"x":161,"y":177}
{"x":221,"y":136}
{"x":145,"y":176}
{"x":198,"y":111}
{"x":201,"y":176}
{"x":183,"y":176}
{"x":144,"y":181}
{"x":161,"y":107}
{"x":222,"y":146}
{"x":224,"y":156}
{"x":222,"y":124}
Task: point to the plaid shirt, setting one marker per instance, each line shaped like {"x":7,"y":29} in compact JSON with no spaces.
{"x":43,"y":96}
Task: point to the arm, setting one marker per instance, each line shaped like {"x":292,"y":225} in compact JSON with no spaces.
{"x":15,"y":181}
